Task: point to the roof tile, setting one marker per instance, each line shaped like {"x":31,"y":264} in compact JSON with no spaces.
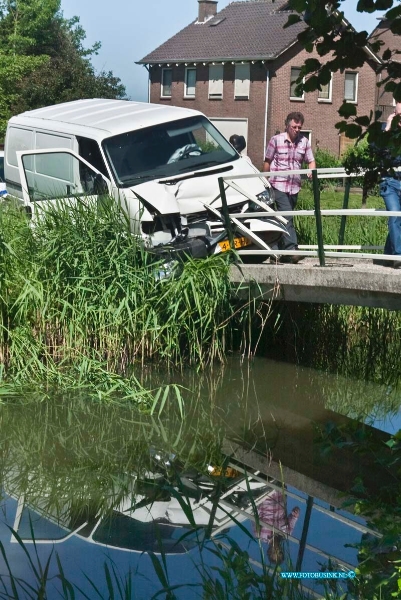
{"x":250,"y":29}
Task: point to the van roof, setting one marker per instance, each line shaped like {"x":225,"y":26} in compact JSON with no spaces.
{"x":103,"y":116}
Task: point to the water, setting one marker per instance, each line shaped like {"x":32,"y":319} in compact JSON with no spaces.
{"x":102,"y":485}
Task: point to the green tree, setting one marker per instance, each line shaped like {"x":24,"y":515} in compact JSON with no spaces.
{"x":341,"y":47}
{"x":43,"y":59}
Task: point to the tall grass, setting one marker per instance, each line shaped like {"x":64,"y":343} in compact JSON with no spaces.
{"x":80,"y":298}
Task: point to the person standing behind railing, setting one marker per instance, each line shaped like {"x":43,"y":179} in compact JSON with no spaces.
{"x":390,"y":191}
{"x":285,"y":152}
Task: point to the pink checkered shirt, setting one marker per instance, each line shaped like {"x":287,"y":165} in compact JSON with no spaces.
{"x":272,"y":511}
{"x":285,"y":155}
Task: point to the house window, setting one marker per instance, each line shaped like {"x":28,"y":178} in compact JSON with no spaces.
{"x":242,"y":80}
{"x":295,"y":73}
{"x":167,"y":78}
{"x":190,"y":82}
{"x":324,"y":95}
{"x":351,"y":87}
{"x":216,"y":81}
{"x":307,"y":133}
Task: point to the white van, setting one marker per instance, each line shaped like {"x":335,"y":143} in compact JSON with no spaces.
{"x":162,"y":164}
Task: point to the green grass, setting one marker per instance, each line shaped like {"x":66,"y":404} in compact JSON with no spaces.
{"x":82,"y":302}
{"x":370,"y":231}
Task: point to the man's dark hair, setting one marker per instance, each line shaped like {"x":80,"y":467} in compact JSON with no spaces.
{"x":294,"y":116}
{"x":238,"y":141}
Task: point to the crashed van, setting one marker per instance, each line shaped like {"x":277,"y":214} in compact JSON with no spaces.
{"x":162,"y":164}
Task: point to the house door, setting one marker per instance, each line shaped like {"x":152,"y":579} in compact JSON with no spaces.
{"x":345,"y":142}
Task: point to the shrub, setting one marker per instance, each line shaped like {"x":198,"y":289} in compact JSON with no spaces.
{"x":361,"y":159}
{"x":325,"y":159}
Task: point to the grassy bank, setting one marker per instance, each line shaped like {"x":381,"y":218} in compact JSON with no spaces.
{"x":81,"y":301}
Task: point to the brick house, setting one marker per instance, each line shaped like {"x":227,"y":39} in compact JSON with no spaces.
{"x":239,"y":66}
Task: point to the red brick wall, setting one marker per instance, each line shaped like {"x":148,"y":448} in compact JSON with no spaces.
{"x":320,"y":117}
{"x":392,"y":42}
{"x":253,"y":109}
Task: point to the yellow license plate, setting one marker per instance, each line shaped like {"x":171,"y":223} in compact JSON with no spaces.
{"x":239,"y":242}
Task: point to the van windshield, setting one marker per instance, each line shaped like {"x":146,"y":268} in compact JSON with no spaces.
{"x":166,"y":150}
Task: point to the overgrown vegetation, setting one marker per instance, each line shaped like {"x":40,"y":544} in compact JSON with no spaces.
{"x":38,"y":45}
{"x":82,"y":301}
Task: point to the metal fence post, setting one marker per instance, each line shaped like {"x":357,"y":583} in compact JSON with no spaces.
{"x":341,"y":235}
{"x":226,"y":214}
{"x":318,"y":217}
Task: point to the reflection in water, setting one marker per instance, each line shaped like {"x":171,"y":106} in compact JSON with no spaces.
{"x":272,"y":512}
{"x":91,"y":478}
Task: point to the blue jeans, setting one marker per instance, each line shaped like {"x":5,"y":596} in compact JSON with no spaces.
{"x":286,"y":201}
{"x":390,"y":191}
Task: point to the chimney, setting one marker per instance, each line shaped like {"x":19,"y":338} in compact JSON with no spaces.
{"x":207,"y":10}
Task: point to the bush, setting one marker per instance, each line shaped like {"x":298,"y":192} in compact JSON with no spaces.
{"x":359,"y":159}
{"x":325,"y":159}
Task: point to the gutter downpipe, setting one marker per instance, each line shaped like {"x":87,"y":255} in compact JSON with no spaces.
{"x":266,"y":109}
{"x":148,"y":70}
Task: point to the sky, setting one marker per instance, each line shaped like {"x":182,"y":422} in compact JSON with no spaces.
{"x":129,"y":29}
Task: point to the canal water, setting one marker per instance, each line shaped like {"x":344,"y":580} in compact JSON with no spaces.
{"x":252,"y":482}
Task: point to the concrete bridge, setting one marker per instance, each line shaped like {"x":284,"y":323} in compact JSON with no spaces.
{"x":341,"y":281}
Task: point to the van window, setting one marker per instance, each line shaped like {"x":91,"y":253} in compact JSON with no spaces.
{"x":166,"y":150}
{"x":60,"y":175}
{"x":90,"y":151}
{"x":19,"y":139}
{"x":53,"y":165}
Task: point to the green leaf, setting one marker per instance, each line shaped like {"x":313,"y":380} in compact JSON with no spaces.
{"x":311,"y":65}
{"x":298,"y":5}
{"x":364,"y":121}
{"x":383,"y":4}
{"x":393,"y":13}
{"x":347,"y":110}
{"x":292,"y":19}
{"x":353,"y":131}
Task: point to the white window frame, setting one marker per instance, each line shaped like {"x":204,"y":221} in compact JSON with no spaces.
{"x":242,"y":81}
{"x":296,"y":98}
{"x":163,"y":85}
{"x":186,"y":87}
{"x":355,"y":74}
{"x":330,"y":88}
{"x":216,"y":82}
{"x":308,"y":134}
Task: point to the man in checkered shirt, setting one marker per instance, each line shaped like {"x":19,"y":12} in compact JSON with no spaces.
{"x":284,"y":152}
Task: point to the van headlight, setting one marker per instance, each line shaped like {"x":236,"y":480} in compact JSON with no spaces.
{"x":267,"y":196}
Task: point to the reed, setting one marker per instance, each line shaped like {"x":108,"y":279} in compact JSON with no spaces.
{"x":81,"y":299}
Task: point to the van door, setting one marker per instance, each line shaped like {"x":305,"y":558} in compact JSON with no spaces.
{"x":57,"y":173}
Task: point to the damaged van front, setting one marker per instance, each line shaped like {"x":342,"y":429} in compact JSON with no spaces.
{"x":162,"y":164}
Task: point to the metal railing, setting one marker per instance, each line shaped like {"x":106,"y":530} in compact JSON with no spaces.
{"x":322,"y":251}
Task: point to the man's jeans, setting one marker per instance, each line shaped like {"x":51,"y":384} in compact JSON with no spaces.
{"x":286,"y":201}
{"x":390,"y":191}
